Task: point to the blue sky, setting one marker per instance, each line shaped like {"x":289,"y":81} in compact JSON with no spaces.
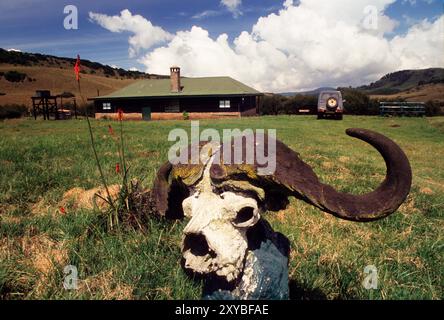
{"x":37,"y":26}
{"x":44,"y":32}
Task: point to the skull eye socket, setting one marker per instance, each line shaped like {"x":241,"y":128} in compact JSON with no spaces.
{"x":244,"y":216}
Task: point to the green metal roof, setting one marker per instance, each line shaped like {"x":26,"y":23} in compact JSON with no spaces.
{"x":209,"y":86}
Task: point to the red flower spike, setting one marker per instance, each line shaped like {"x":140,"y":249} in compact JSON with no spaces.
{"x":77,"y":68}
{"x":120,"y":114}
{"x":110,"y":130}
{"x":117,"y":168}
{"x":62,"y":210}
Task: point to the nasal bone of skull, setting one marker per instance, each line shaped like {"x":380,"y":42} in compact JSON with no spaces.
{"x":218,"y":247}
{"x":227,"y":241}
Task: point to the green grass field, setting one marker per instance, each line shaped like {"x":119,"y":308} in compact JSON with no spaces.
{"x":40,"y":161}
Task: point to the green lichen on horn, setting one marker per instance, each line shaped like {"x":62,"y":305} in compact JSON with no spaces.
{"x":242,"y":187}
{"x":189,"y":174}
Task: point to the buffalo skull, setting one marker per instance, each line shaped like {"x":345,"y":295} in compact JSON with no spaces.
{"x":226,"y":239}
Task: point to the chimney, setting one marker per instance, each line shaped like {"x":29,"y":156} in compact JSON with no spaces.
{"x":175,"y":79}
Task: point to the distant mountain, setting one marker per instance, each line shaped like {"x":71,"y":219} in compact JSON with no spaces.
{"x":307,"y":93}
{"x":405,"y":80}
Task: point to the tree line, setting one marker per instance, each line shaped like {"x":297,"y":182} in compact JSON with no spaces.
{"x":357,"y":103}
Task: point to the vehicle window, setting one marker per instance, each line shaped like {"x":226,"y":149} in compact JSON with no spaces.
{"x":325,"y":96}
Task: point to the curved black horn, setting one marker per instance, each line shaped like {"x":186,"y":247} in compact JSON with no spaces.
{"x":294,"y":177}
{"x":371,"y":206}
{"x":161,"y":189}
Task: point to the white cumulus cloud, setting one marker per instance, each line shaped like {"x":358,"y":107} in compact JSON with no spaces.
{"x":206,"y":14}
{"x":306,"y":45}
{"x":232,"y":6}
{"x":422,"y":46}
{"x":145,"y":34}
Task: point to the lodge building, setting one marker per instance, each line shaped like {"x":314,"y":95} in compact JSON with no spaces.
{"x":200,"y":98}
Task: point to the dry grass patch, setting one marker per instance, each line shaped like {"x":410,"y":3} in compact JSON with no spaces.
{"x":40,"y":255}
{"x":408,"y":207}
{"x":43,"y":253}
{"x":5,"y":248}
{"x":104,"y":286}
{"x":40,"y":208}
{"x":407,"y":256}
{"x":79,"y":198}
{"x":6,"y":208}
{"x":10,"y":219}
{"x":426,"y":190}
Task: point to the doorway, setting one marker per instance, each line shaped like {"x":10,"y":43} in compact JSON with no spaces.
{"x":146,"y":113}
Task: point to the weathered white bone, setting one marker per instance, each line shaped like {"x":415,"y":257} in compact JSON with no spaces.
{"x":215,"y":238}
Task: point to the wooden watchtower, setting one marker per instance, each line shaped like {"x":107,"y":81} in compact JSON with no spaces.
{"x":44,"y":103}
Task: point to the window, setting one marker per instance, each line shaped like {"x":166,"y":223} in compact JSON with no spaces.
{"x":173,"y":106}
{"x":224,"y":104}
{"x":106,"y":106}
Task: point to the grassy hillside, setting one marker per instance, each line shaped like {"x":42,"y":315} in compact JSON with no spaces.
{"x":35,"y":59}
{"x":409,"y":85}
{"x":40,"y":161}
{"x":423,"y":93}
{"x":38,"y":71}
{"x":400,"y":81}
{"x":57,"y":80}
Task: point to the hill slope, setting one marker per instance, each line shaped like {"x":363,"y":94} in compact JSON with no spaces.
{"x":405,"y":80}
{"x":410,"y":85}
{"x":21,"y":74}
{"x":56,"y":80}
{"x":423,"y":93}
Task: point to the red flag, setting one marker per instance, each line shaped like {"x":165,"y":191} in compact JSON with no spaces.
{"x":77,"y":68}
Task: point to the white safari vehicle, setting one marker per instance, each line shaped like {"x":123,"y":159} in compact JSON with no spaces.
{"x":330,"y":104}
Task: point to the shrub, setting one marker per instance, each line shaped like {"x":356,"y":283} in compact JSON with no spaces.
{"x":82,"y":108}
{"x":358,"y":102}
{"x":108,"y":71}
{"x":271,"y":104}
{"x":15,"y":76}
{"x":12,"y":111}
{"x":385,"y":91}
{"x":432,"y":108}
{"x":186,"y":115}
{"x":293,"y":104}
{"x":277,"y":104}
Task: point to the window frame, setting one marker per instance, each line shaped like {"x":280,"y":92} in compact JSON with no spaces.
{"x":224,"y":104}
